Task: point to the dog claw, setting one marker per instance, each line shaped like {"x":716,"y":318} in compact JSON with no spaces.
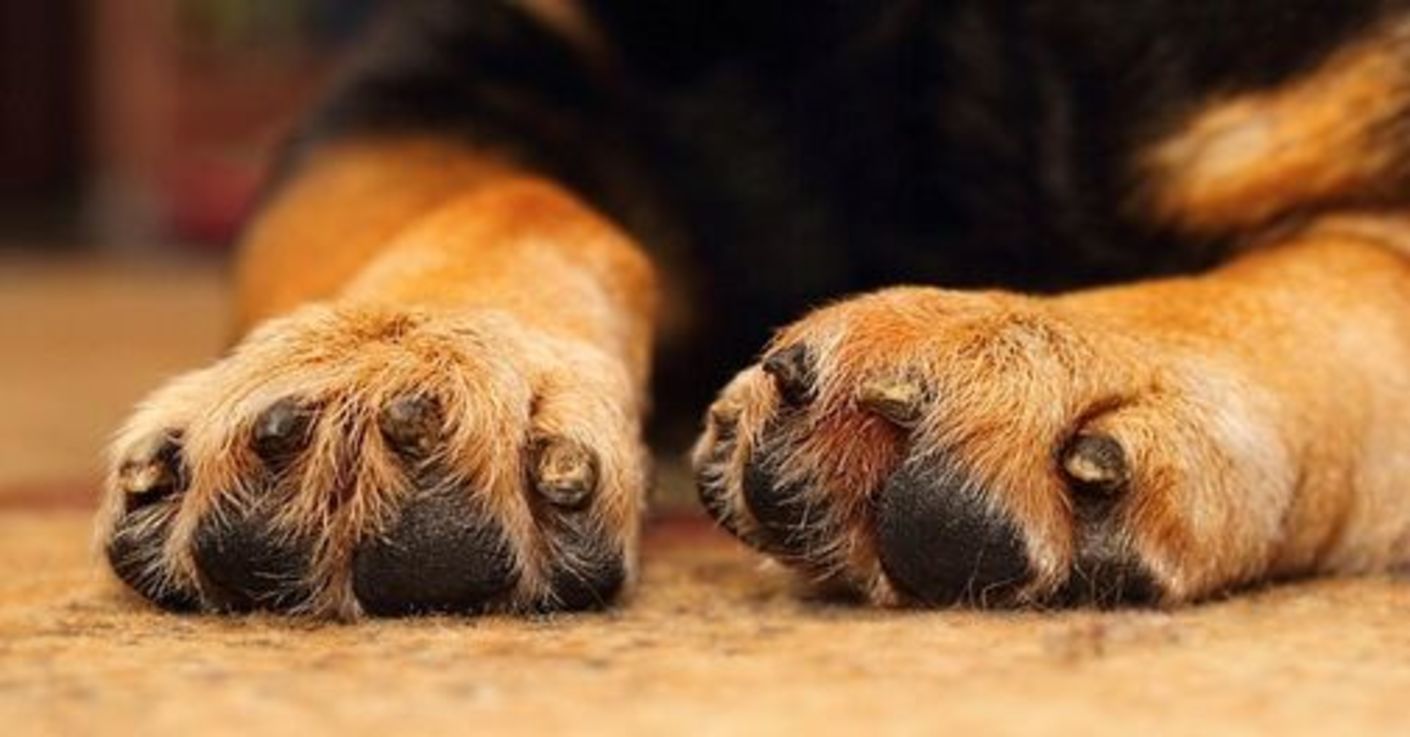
{"x":792,"y":372}
{"x":281,"y":430}
{"x":154,"y":475}
{"x":411,"y":424}
{"x":1096,"y":462}
{"x":564,"y":472}
{"x":897,"y":400}
{"x":725,"y":421}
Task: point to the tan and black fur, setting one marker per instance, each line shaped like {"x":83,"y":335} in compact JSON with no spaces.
{"x":508,"y":216}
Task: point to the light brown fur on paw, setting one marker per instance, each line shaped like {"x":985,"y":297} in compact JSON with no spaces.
{"x":1155,"y":443}
{"x":345,"y":460}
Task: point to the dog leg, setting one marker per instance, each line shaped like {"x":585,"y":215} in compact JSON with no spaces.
{"x":1158,"y":442}
{"x":437,"y":409}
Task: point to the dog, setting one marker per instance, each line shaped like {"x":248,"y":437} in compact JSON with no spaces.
{"x":1151,"y":342}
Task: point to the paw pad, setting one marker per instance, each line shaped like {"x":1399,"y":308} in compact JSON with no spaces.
{"x":442,"y":554}
{"x":249,"y":563}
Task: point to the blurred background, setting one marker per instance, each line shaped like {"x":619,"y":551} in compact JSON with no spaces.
{"x":133,"y":137}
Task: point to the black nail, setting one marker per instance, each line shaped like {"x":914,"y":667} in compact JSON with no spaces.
{"x":412,"y":425}
{"x":564,"y":472}
{"x":792,"y":371}
{"x":281,"y":430}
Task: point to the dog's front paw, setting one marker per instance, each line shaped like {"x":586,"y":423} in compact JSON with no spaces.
{"x":358,"y":460}
{"x":917,"y":445}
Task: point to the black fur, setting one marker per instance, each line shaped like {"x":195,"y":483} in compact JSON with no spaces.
{"x":781,"y":153}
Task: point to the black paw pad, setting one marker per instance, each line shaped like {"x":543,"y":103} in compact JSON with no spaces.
{"x":710,"y":486}
{"x":589,"y":586}
{"x":792,"y":521}
{"x":250,"y":563}
{"x":440,"y":555}
{"x":135,"y":554}
{"x":713,"y":496}
{"x":587,"y":569}
{"x":1109,"y":582}
{"x":940,"y":543}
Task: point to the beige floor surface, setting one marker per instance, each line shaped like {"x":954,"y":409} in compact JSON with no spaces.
{"x":80,"y":341}
{"x":708,"y":645}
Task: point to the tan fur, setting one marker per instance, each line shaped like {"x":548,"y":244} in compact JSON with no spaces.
{"x":1326,"y":138}
{"x":409,"y":267}
{"x":349,"y":199}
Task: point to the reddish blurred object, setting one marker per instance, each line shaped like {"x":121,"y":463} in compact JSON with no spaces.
{"x":206,"y":196}
{"x":193,"y":98}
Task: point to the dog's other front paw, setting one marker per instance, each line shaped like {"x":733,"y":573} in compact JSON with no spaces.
{"x":351,"y":460}
{"x":925,"y":446}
